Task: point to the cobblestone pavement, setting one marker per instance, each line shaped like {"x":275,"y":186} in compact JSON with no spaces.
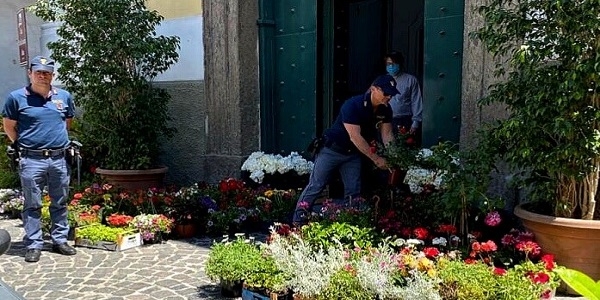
{"x":169,"y":271}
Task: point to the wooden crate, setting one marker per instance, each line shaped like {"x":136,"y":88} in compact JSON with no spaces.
{"x":125,"y":241}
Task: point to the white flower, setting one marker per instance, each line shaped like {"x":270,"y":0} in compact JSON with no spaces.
{"x":415,"y":242}
{"x":259,"y":164}
{"x":440,"y":241}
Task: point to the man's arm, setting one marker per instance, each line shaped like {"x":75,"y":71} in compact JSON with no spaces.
{"x":387,"y":133}
{"x":363,"y":146}
{"x":416,"y":102}
{"x":10,"y":128}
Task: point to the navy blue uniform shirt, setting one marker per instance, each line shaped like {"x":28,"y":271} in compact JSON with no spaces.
{"x":40,"y":120}
{"x":358,"y":110}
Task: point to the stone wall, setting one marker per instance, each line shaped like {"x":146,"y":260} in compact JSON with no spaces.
{"x":183,"y":153}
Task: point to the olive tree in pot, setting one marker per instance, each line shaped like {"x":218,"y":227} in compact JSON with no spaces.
{"x":551,"y":77}
{"x":109,"y":55}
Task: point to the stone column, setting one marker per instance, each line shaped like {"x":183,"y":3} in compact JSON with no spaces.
{"x":231,"y":85}
{"x":478,"y":67}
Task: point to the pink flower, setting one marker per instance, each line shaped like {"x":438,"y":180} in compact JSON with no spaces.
{"x":493,"y":219}
{"x":303,"y":205}
{"x":508,"y":240}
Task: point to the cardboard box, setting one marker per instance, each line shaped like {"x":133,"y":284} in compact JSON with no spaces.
{"x":125,"y":241}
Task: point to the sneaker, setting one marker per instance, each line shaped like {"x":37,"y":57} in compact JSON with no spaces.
{"x":64,"y":249}
{"x":33,"y":255}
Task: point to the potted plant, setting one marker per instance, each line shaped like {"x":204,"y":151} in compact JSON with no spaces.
{"x":230,"y":262}
{"x":400,"y":155}
{"x":152,"y":227}
{"x":109,"y":54}
{"x":550,"y":85}
{"x":265,"y":281}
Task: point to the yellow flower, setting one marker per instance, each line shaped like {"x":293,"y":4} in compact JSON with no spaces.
{"x":432,"y":273}
{"x":425,"y":264}
{"x":269,"y":193}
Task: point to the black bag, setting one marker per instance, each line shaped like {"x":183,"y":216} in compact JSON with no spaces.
{"x":315,"y":146}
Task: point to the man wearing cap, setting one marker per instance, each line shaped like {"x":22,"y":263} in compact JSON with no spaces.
{"x":358,"y":122}
{"x":36,"y":119}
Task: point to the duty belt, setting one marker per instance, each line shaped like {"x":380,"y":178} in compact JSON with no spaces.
{"x":43,"y":152}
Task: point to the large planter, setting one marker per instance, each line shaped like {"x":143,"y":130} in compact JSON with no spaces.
{"x":133,"y":180}
{"x":573,"y":242}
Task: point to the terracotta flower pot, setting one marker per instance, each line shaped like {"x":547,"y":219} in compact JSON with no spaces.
{"x":133,"y":180}
{"x":185,"y":231}
{"x":396,"y":177}
{"x":573,"y":242}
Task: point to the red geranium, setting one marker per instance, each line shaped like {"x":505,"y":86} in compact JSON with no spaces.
{"x":118,"y":220}
{"x":431,"y":252}
{"x":421,"y":233}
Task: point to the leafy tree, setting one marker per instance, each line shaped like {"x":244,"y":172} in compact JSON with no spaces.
{"x":552,"y":69}
{"x":109,"y":53}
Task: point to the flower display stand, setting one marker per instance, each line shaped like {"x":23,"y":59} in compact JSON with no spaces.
{"x":125,"y":241}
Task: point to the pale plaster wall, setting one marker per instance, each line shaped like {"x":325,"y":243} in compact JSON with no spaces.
{"x":12,"y":74}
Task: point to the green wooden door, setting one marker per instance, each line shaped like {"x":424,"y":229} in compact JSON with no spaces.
{"x":288,"y":60}
{"x":442,"y":70}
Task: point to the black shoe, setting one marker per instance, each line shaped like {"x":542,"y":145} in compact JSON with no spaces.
{"x":33,"y":255}
{"x":64,"y":249}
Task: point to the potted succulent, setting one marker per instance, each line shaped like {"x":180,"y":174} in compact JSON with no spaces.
{"x":109,"y":54}
{"x":550,"y":86}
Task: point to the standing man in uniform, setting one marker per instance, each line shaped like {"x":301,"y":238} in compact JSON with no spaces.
{"x":358,"y":123}
{"x":36,"y":118}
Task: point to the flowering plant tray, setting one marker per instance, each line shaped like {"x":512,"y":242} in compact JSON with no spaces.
{"x":124,"y":241}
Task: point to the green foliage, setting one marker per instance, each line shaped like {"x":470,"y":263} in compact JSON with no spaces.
{"x":109,"y":54}
{"x":98,"y":232}
{"x":460,"y":280}
{"x":232,"y":260}
{"x":8,"y":178}
{"x":580,"y":283}
{"x":325,"y":235}
{"x":265,"y":275}
{"x":401,"y":153}
{"x":344,"y":285}
{"x":466,"y":178}
{"x":551,"y":72}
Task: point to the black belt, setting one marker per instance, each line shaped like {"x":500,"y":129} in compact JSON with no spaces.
{"x":337,"y":148}
{"x":42,"y":152}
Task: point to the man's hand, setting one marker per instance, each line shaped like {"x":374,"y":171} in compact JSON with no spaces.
{"x":381,"y":163}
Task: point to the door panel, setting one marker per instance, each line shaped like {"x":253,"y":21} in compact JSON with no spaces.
{"x":442,"y":62}
{"x":288,"y":61}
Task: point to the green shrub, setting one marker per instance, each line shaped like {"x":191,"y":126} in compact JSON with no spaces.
{"x":232,"y":261}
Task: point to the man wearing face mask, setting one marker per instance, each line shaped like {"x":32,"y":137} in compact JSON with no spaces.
{"x":407,"y":105}
{"x":360,"y":120}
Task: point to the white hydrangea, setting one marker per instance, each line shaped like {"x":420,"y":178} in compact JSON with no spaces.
{"x":439,"y":241}
{"x":259,"y":164}
{"x":416,"y":178}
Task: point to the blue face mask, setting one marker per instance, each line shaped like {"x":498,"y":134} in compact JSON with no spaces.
{"x":392,"y":69}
